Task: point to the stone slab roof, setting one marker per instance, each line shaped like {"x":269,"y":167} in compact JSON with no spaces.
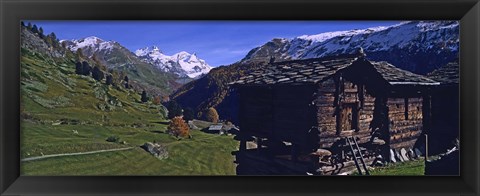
{"x":316,"y":70}
{"x":397,"y":76}
{"x":447,"y":74}
{"x":296,"y":72}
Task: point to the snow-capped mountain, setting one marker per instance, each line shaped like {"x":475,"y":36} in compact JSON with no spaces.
{"x":418,"y":46}
{"x":110,"y":53}
{"x":92,"y":42}
{"x":116,"y":57}
{"x":90,"y":45}
{"x":182,"y":63}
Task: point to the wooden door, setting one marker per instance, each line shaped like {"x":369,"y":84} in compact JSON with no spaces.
{"x":346,"y":118}
{"x":349,"y":117}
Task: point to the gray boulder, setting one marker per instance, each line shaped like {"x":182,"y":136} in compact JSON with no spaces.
{"x":157,"y":150}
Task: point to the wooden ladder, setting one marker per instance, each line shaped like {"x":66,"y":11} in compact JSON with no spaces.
{"x":352,"y":142}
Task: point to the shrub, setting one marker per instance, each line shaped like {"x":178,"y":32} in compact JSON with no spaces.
{"x":144,"y":97}
{"x":212,"y":115}
{"x":178,"y":127}
{"x":174,"y":109}
{"x":188,"y":114}
{"x":113,"y":138}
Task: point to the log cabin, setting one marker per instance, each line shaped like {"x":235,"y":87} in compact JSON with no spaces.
{"x":298,"y":111}
{"x":445,"y":116}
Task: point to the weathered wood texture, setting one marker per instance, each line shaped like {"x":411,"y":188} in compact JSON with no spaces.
{"x":327,"y":119}
{"x":405,"y":115}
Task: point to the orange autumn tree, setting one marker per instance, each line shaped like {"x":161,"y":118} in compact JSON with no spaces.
{"x":212,"y":115}
{"x":178,"y":127}
{"x":157,"y":100}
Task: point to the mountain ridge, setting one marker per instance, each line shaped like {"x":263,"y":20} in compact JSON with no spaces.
{"x":400,"y":44}
{"x":183,"y":64}
{"x":116,"y":57}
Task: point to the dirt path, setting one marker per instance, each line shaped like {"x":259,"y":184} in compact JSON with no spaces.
{"x":99,"y":151}
{"x":73,"y":154}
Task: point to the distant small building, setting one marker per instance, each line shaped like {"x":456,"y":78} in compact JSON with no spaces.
{"x":216,"y":128}
{"x":445,"y":108}
{"x":223,"y":128}
{"x":293,"y":108}
{"x":192,"y":125}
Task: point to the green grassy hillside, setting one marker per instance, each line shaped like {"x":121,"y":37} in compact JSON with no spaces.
{"x":62,"y":112}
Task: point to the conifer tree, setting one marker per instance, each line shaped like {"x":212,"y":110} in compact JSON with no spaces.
{"x":188,"y":114}
{"x":35,"y":29}
{"x":144,"y":96}
{"x":173,"y":109}
{"x":79,"y":68}
{"x":126,"y":81}
{"x":86,"y":69}
{"x":54,"y":37}
{"x":97,"y":74}
{"x":49,"y":41}
{"x":109,"y":79}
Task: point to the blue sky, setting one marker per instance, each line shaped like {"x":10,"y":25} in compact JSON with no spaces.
{"x":217,"y":42}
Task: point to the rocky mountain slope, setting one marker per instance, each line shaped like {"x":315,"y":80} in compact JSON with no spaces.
{"x":183,"y":64}
{"x":114,"y":56}
{"x":417,"y":46}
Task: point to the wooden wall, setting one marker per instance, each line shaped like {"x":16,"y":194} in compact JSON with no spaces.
{"x":326,"y":112}
{"x":404,"y":129}
{"x":287,"y":113}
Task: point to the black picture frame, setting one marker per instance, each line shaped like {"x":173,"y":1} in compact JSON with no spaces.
{"x":12,"y":11}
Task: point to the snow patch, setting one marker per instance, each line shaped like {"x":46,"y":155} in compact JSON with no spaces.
{"x":181,"y":63}
{"x":92,"y":42}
